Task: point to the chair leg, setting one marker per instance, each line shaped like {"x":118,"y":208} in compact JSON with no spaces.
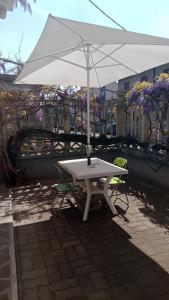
{"x":116,"y":195}
{"x":127,"y":200}
{"x":118,"y":198}
{"x":60,"y":206}
{"x":69,"y":201}
{"x":113,"y":194}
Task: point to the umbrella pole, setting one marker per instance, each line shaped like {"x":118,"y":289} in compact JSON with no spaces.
{"x":88,"y":106}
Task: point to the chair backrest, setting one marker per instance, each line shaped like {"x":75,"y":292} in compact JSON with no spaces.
{"x":120,"y":162}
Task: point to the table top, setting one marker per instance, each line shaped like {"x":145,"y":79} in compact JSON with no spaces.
{"x":79,"y":169}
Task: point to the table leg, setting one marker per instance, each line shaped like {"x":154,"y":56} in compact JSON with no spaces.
{"x":86,"y":211}
{"x":111,"y":205}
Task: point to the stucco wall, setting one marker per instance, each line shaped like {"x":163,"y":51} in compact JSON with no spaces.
{"x":146,"y":170}
{"x":151,"y":73}
{"x":41,"y":168}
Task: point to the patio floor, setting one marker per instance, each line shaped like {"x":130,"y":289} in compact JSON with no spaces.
{"x":122,"y":257}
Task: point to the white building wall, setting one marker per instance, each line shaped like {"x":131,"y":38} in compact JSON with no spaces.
{"x":110,"y":91}
{"x":150,"y":74}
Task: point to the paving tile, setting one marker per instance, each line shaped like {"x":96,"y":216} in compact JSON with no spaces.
{"x":86,"y":284}
{"x":4,"y":297}
{"x":101,"y":295}
{"x":65,"y":270}
{"x":37,"y":261}
{"x":54,"y":260}
{"x":98,"y":280}
{"x":81,"y":251}
{"x":35,"y":282}
{"x":26,"y":263}
{"x":4,"y":284}
{"x":71,"y":253}
{"x":80,"y":262}
{"x":45,"y":293}
{"x":71,"y":244}
{"x":4,"y":254}
{"x":85,"y":270}
{"x":30,"y":294}
{"x":34,"y":274}
{"x":65,"y":284}
{"x":5,"y":270}
{"x":53,"y":273}
{"x":71,"y":293}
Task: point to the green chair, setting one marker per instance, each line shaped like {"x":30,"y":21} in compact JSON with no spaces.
{"x":119,"y":181}
{"x":64,"y":189}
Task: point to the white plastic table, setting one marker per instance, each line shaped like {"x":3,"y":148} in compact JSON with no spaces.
{"x":82,"y":173}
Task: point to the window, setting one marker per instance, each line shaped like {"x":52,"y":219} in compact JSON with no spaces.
{"x":166,"y":70}
{"x":143,"y":78}
{"x":126,"y":86}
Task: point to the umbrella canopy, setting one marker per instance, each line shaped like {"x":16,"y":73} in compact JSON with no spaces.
{"x":75,"y":53}
{"x":60,"y":56}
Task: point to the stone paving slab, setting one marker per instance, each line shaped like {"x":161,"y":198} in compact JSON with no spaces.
{"x":123,"y":257}
{"x":8,"y":282}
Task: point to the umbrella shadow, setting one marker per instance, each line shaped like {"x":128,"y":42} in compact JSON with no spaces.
{"x":123,"y":270}
{"x":154,"y":199}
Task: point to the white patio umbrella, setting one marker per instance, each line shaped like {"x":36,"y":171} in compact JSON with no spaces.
{"x":75,"y":53}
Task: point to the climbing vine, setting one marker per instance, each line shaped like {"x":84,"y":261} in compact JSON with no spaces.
{"x":152,"y":100}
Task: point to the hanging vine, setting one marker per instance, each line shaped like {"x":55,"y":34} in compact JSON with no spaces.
{"x":154,"y":100}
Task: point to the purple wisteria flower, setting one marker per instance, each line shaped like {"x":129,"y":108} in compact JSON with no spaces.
{"x":152,"y":92}
{"x":140,"y":100}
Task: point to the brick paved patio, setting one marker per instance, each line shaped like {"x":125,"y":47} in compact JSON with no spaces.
{"x":123,"y":257}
